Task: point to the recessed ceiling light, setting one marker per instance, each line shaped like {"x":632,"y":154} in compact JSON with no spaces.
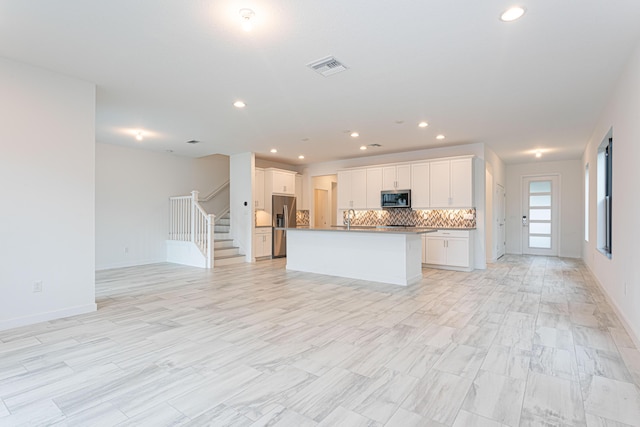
{"x":139,"y":136}
{"x":440,"y":136}
{"x":273,"y":150}
{"x":423,"y":124}
{"x":363,"y":147}
{"x":239,"y":104}
{"x":304,"y":139}
{"x":512,"y":14}
{"x":301,"y":157}
{"x":247,"y":15}
{"x":355,"y":134}
{"x":538,"y":154}
{"x":399,"y":122}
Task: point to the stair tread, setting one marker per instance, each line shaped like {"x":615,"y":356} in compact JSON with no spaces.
{"x":222,"y":240}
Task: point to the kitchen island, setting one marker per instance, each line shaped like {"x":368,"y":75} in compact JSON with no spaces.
{"x":387,"y":255}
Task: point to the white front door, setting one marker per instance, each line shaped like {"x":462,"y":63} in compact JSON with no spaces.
{"x":501,"y":219}
{"x":540,"y":224}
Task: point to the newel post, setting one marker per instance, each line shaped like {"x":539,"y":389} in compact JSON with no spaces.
{"x":194,"y":201}
{"x":211,"y":220}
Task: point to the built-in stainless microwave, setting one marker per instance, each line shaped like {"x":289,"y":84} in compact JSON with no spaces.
{"x":395,"y":199}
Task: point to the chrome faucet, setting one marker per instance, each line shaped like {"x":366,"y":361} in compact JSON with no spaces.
{"x":349,"y":212}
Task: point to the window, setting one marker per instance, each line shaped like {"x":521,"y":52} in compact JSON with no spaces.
{"x":605,"y":193}
{"x":586,"y":202}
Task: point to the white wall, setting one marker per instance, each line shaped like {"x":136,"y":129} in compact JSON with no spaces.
{"x":47,"y":175}
{"x":571,"y":211}
{"x":495,"y":172}
{"x":478,"y":150}
{"x":622,"y":113}
{"x":241,"y":174}
{"x":132,"y":200}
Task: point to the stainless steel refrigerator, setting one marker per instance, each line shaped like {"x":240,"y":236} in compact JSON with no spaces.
{"x":284,"y":215}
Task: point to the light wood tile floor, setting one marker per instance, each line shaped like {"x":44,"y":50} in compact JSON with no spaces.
{"x":531,"y":341}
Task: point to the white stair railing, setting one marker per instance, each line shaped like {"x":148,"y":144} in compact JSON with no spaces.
{"x":188,"y":222}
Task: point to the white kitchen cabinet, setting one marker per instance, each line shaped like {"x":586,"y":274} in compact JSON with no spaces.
{"x":258,"y":191}
{"x":278,"y":181}
{"x":374,"y":187}
{"x":451,"y":183}
{"x":302,"y":202}
{"x":352,"y":189}
{"x":396,"y":177}
{"x":420,"y":186}
{"x":262,"y":242}
{"x":449,"y":249}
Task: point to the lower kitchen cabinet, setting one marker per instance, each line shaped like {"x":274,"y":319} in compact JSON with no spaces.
{"x":449,"y":249}
{"x":262,"y":242}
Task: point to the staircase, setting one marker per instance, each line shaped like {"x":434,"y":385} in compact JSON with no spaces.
{"x":197,"y":238}
{"x":224,"y":253}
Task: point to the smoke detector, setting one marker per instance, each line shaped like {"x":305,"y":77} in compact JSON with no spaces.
{"x":327,"y":66}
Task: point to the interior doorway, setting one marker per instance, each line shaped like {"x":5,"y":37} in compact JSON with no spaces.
{"x":321,"y":207}
{"x":540,"y":224}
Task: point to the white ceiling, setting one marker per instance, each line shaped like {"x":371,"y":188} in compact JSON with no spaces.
{"x":174,"y":68}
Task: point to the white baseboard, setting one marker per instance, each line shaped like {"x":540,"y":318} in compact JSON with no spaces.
{"x":45,"y":317}
{"x":129,"y":264}
{"x":627,"y":326}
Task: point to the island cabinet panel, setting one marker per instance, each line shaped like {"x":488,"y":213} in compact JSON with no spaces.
{"x":258,"y":193}
{"x":420,"y":186}
{"x":396,"y":177}
{"x":449,"y":249}
{"x":451,"y":183}
{"x":352,"y":189}
{"x":374,"y":187}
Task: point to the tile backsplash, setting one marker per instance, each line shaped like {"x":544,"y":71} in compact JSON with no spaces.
{"x":443,"y":218}
{"x":302,"y":217}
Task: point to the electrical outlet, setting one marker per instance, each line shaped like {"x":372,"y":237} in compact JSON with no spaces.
{"x":37,"y":286}
{"x":126,"y":249}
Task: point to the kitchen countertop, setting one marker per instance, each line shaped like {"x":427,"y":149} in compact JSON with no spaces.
{"x":367,"y":229}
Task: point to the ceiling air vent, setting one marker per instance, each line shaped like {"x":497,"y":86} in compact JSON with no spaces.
{"x":375,"y":145}
{"x":327,"y":66}
{"x":193,"y":141}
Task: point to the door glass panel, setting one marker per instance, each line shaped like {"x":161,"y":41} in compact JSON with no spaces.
{"x":540,"y":214}
{"x":540,"y":200}
{"x":540,"y":242}
{"x":540,"y":228}
{"x":540,"y":187}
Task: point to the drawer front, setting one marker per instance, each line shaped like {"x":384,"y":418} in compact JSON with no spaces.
{"x":450,"y":233}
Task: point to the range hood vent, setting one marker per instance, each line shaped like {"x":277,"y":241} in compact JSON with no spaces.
{"x":327,"y":66}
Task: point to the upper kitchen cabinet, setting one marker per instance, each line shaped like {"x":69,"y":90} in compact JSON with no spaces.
{"x":278,"y":181}
{"x":396,"y":177}
{"x":302,"y":202}
{"x":352,"y":189}
{"x":374,"y":187}
{"x":451,"y":183}
{"x":420,"y":186}
{"x":258,"y":191}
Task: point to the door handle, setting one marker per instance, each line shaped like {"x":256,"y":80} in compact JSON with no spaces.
{"x":525,"y":222}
